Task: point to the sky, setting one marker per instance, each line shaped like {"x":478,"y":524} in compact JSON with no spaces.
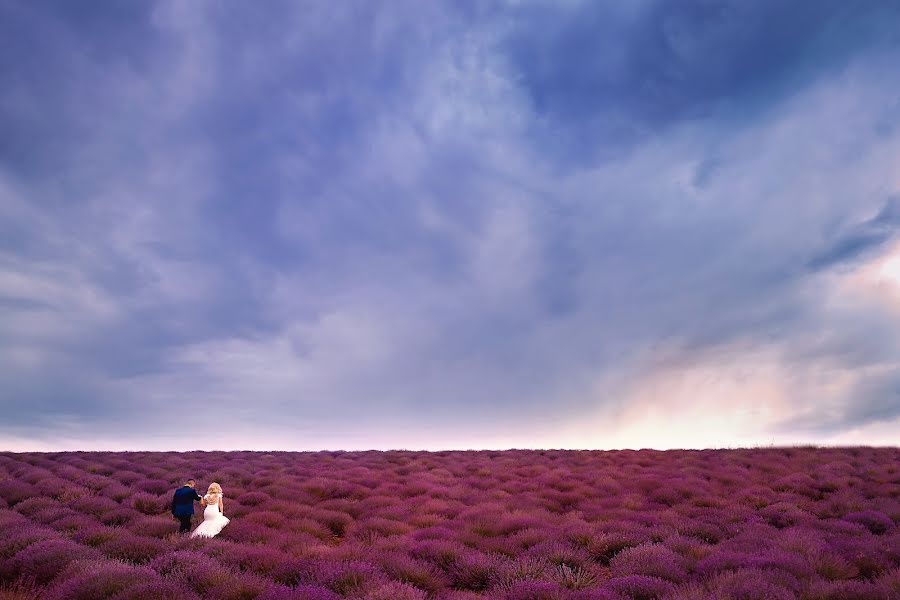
{"x":375,"y":225}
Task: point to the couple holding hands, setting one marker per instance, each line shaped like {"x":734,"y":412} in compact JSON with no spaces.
{"x":183,"y":509}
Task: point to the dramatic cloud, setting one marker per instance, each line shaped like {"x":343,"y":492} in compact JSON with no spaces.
{"x":454,"y":225}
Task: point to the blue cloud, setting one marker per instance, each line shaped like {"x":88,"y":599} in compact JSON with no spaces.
{"x":602,"y":78}
{"x":862,"y":239}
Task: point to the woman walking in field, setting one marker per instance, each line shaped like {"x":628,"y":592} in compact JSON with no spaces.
{"x":213,"y":519}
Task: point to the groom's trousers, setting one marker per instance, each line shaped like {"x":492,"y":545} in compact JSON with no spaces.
{"x":185,"y":523}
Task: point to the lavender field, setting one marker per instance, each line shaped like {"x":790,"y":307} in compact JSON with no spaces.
{"x":811,"y":523}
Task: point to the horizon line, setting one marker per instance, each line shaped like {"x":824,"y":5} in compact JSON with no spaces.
{"x":436,"y":451}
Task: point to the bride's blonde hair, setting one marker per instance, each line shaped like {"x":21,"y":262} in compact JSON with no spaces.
{"x":214,"y":488}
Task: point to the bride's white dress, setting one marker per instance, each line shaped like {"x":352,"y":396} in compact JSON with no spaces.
{"x":213,"y":519}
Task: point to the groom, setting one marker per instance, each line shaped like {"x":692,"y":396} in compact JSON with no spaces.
{"x":183,"y":504}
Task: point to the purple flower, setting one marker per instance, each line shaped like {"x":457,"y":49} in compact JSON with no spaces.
{"x":126,"y":477}
{"x":21,"y":590}
{"x":74,"y":523}
{"x":789,"y":562}
{"x":301,"y":592}
{"x":605,"y":546}
{"x":207,"y":576}
{"x":13,"y":541}
{"x":640,"y":587}
{"x":155,"y":526}
{"x":52,"y":514}
{"x":94,"y":579}
{"x":535,"y":590}
{"x":93,"y":482}
{"x":650,"y":559}
{"x":396,"y":590}
{"x":254,"y":498}
{"x":16,"y":491}
{"x":442,"y":553}
{"x":262,"y":560}
{"x":434,"y":533}
{"x":116,"y":491}
{"x":867,"y":554}
{"x":346,"y":578}
{"x":473,"y":570}
{"x":338,"y":523}
{"x":32,"y":506}
{"x":850,"y":590}
{"x":133,"y":548}
{"x":155,"y":487}
{"x":149,"y":504}
{"x":595,"y":594}
{"x":44,"y":560}
{"x":561,"y":553}
{"x":754,"y":584}
{"x":95,"y":506}
{"x":875,"y":521}
{"x":420,"y":573}
{"x":156,"y":589}
{"x":719,"y":560}
{"x":784,"y":514}
{"x":240,"y":530}
{"x":119,"y":516}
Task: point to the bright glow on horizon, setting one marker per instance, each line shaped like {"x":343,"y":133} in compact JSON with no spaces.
{"x":890,"y":270}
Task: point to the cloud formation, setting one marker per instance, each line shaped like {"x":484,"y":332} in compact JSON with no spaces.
{"x":521,"y":224}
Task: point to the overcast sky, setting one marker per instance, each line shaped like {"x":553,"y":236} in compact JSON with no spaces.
{"x":304,"y":225}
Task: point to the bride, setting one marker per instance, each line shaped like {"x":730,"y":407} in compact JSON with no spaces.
{"x":213,"y":519}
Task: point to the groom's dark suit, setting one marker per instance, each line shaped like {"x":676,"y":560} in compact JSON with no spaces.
{"x":183,"y":506}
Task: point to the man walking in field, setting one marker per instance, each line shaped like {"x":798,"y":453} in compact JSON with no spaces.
{"x":183,"y":504}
